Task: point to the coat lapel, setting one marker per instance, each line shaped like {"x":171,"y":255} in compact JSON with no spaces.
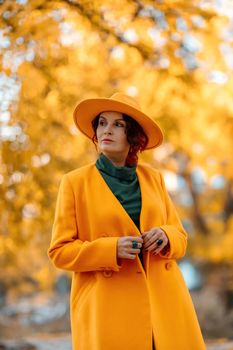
{"x":153,"y":211}
{"x":110,"y":201}
{"x":148,"y":203}
{"x":145,"y":200}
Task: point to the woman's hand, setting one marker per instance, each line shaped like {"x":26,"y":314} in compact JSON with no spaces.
{"x":128,"y":247}
{"x":155,"y":240}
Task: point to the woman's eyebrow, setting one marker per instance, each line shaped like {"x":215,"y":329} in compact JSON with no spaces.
{"x":114,"y":119}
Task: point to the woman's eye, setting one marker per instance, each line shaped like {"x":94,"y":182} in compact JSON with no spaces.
{"x":101,"y":122}
{"x":120,"y":124}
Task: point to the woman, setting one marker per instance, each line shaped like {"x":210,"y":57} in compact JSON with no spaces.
{"x":116,"y":228}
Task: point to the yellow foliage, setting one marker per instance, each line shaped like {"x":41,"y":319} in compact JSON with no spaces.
{"x":81,"y":49}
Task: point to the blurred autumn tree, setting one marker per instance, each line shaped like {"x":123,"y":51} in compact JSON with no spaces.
{"x":174,"y":56}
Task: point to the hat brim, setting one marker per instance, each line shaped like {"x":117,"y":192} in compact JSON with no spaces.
{"x":88,"y":109}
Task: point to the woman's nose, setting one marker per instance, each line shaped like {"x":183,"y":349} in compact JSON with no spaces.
{"x":108,"y":130}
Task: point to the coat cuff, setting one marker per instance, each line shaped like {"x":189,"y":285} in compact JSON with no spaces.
{"x":107,"y":253}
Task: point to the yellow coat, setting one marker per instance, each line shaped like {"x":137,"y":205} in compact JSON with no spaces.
{"x":118,"y":307}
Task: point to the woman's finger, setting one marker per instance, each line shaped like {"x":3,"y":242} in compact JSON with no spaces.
{"x":134,"y":251}
{"x":133,"y":243}
{"x":128,"y":256}
{"x":147,"y":235}
{"x":129,"y":246}
{"x":159,"y":248}
{"x":152,"y":247}
{"x":152,"y":240}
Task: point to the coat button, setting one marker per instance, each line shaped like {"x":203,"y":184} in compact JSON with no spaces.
{"x":107,"y":273}
{"x":168,"y":265}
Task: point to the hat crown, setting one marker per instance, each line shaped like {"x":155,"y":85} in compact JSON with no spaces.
{"x":120,"y":97}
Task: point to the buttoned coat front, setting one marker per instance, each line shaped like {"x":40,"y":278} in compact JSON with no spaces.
{"x":119,"y":305}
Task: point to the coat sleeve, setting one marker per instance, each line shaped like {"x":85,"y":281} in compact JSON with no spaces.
{"x":66,"y":250}
{"x":173,"y":228}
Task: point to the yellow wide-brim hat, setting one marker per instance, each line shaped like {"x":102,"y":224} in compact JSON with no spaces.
{"x":88,"y":109}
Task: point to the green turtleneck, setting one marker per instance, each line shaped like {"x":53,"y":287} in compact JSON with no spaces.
{"x":124,"y":184}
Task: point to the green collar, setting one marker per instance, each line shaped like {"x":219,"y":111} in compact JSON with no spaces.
{"x":121,"y":172}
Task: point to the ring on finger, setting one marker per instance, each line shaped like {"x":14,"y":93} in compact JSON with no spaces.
{"x":159,"y":242}
{"x":134,"y":244}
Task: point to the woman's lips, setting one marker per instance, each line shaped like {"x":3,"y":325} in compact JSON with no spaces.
{"x":107,"y":140}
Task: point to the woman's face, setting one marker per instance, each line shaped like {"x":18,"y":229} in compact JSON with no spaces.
{"x":112,"y":138}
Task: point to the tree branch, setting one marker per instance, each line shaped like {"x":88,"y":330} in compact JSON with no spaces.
{"x":96,"y":19}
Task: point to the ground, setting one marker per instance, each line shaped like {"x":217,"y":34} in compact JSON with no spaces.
{"x":63,"y":342}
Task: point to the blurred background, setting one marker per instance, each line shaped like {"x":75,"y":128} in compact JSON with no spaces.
{"x":176,"y":58}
